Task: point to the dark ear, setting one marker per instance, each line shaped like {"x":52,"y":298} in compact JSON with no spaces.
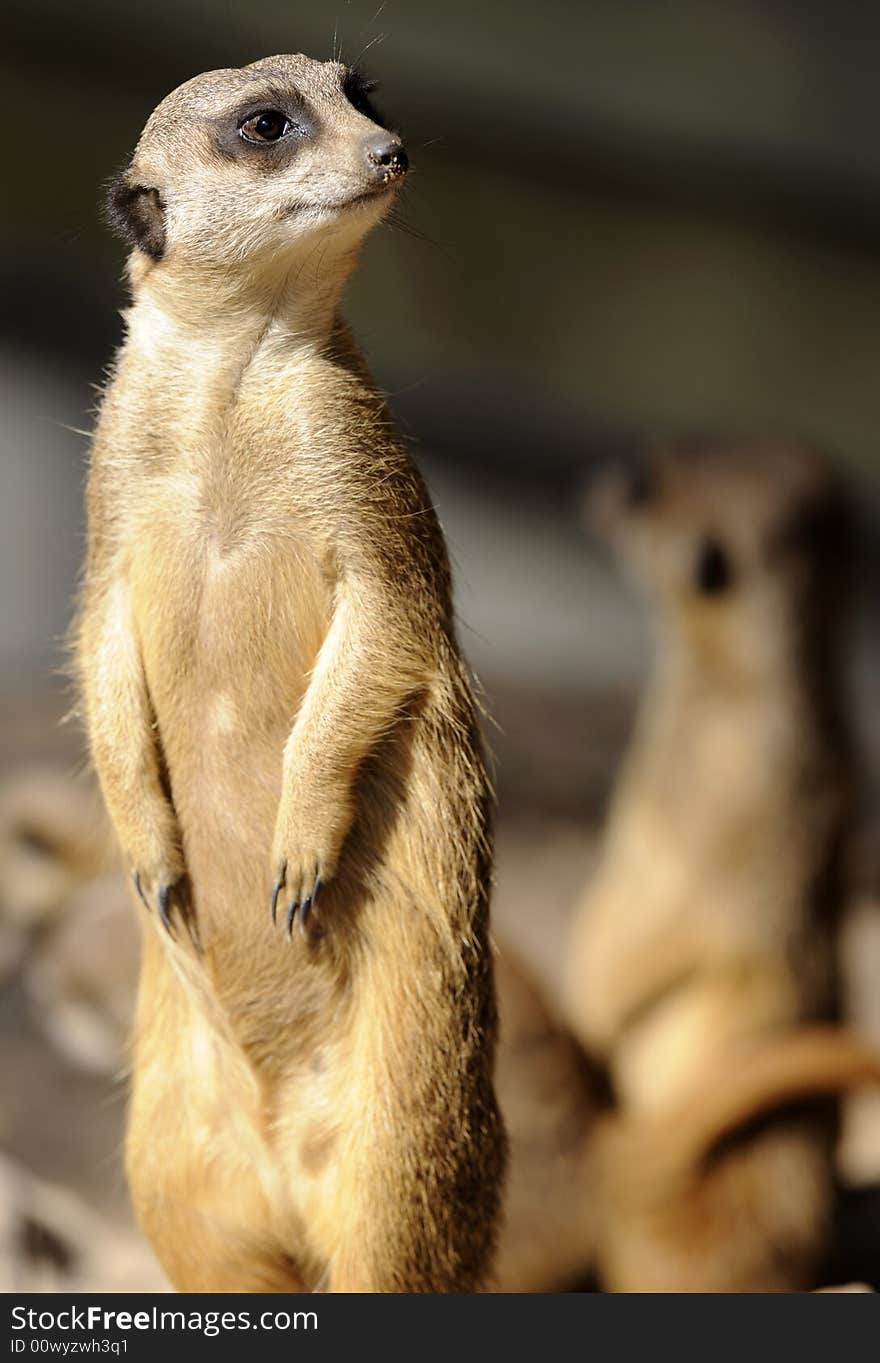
{"x":137,"y":214}
{"x":713,"y":574}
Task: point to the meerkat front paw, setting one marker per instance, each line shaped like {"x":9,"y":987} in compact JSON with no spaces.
{"x":167,"y":893}
{"x":159,"y":875}
{"x":304,"y":857}
{"x":151,"y":845}
{"x":299,"y":900}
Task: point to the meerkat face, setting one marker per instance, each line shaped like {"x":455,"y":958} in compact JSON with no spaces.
{"x":250,"y":166}
{"x":715,"y":533}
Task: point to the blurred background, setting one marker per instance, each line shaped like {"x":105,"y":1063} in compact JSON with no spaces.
{"x":625,"y":216}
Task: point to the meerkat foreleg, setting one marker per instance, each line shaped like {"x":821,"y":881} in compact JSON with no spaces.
{"x":352,"y":699}
{"x":125,"y":751}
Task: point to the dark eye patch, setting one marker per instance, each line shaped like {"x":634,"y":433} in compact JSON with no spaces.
{"x":357,"y":89}
{"x":714,"y":572}
{"x":267,"y":131}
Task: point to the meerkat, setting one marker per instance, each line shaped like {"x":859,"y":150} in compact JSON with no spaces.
{"x":710,"y":923}
{"x":283,"y":726}
{"x":81,"y":977}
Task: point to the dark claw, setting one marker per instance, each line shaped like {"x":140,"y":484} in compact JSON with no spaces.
{"x":276,"y":890}
{"x":308,"y":905}
{"x":140,"y":889}
{"x":291,"y":914}
{"x":164,"y":906}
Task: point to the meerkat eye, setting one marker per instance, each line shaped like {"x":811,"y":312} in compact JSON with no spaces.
{"x":269,"y":125}
{"x":714,"y":571}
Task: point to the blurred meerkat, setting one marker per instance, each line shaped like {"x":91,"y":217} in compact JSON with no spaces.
{"x":278,"y":713}
{"x":710,"y":923}
{"x":552,"y":1101}
{"x":654,"y":1200}
{"x":728,"y":1186}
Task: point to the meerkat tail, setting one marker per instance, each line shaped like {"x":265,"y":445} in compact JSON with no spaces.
{"x":809,"y":1062}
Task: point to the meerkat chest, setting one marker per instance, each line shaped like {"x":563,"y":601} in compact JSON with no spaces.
{"x":230,"y":577}
{"x":229,"y":589}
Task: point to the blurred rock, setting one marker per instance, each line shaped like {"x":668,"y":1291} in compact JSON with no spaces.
{"x":66,"y":925}
{"x":82,"y":976}
{"x":54,"y":835}
{"x":50,"y":1242}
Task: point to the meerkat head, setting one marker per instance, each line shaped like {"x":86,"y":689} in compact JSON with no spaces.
{"x":733,"y":544}
{"x":249,"y":167}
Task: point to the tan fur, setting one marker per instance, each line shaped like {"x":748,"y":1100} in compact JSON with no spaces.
{"x":710,"y":922}
{"x":274,"y":692}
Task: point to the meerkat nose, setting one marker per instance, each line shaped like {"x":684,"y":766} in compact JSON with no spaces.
{"x":386,"y":157}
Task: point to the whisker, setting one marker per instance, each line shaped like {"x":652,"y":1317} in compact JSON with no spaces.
{"x":398,"y":224}
{"x":407,"y":388}
{"x":378,"y":38}
{"x":63,"y":426}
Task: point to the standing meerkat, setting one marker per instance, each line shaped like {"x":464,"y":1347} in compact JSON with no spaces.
{"x":708,"y":931}
{"x":279,"y":715}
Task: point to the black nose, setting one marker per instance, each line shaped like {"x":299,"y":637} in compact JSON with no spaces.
{"x":386,"y":157}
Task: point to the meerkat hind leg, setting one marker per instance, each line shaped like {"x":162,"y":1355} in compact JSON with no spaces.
{"x":204,"y":1183}
{"x":396,"y":1194}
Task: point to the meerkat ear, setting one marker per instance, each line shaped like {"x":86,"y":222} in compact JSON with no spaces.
{"x":137,"y":214}
{"x":713,"y":574}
